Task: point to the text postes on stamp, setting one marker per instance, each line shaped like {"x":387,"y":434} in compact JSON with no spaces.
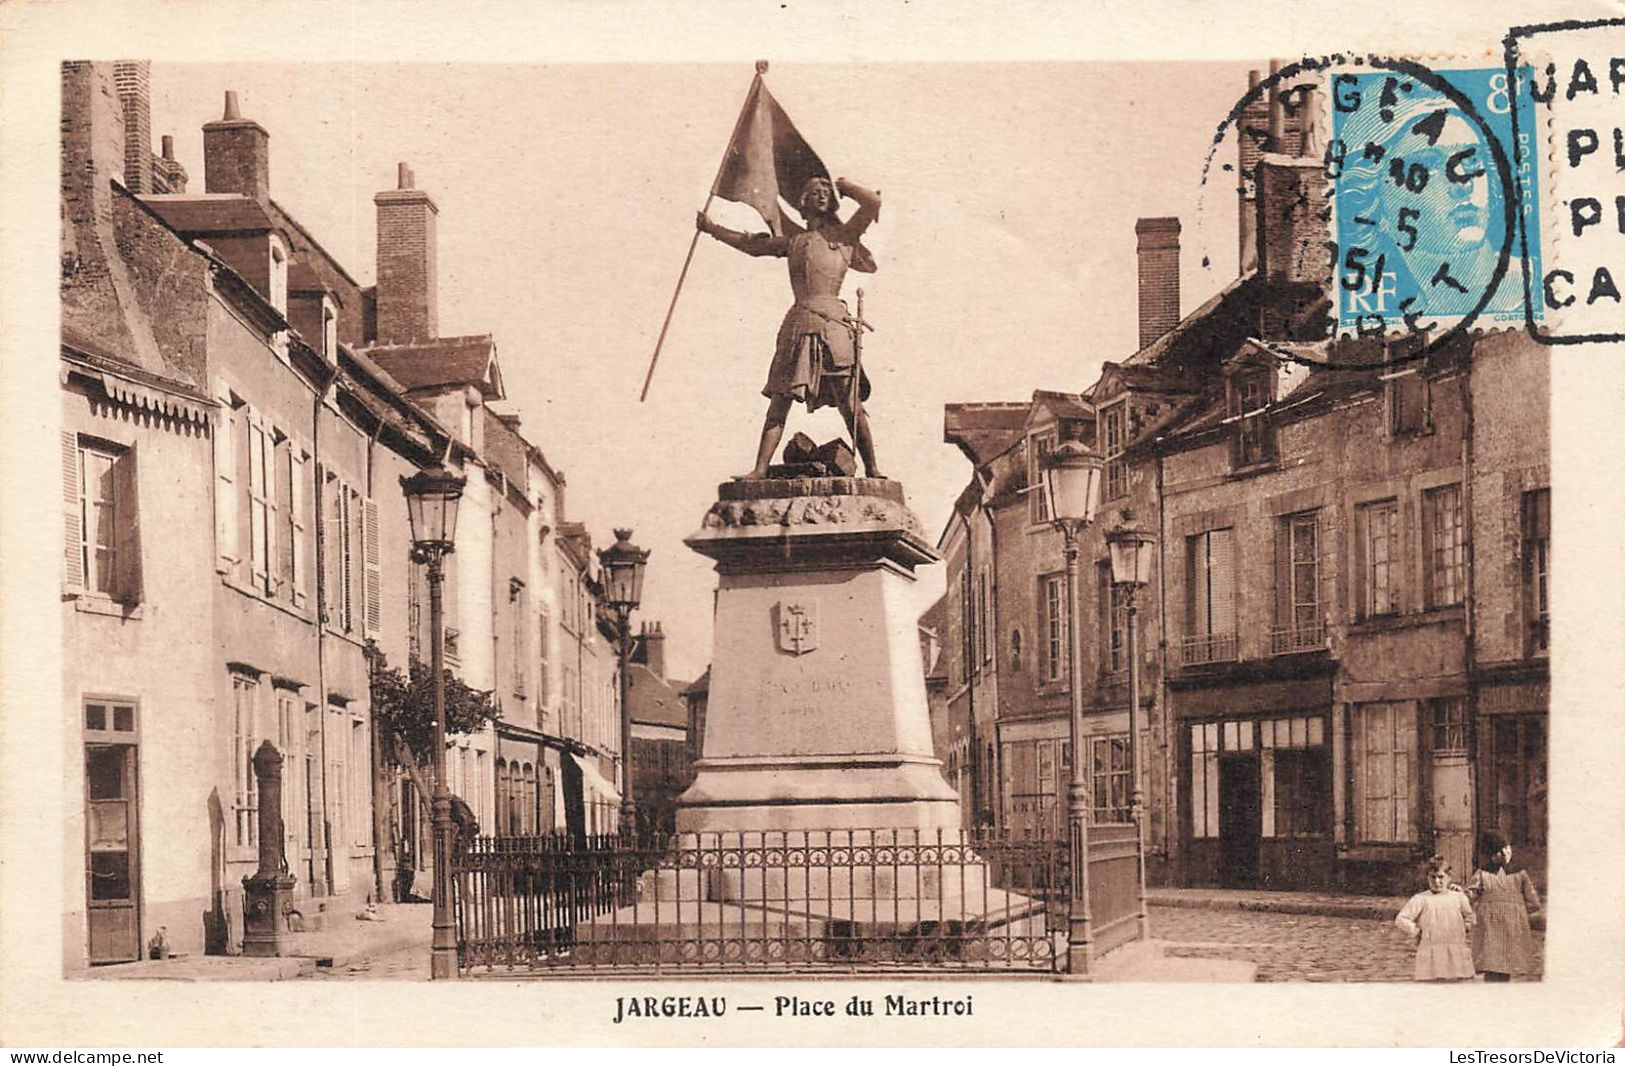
{"x":1424,"y":205}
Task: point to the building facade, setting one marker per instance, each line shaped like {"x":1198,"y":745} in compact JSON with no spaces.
{"x":238,"y":413}
{"x":1344,"y":643}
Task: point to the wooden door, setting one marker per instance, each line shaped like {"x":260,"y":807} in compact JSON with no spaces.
{"x":112,"y":836}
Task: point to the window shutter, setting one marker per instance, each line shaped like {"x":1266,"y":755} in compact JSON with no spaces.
{"x":1283,"y":572}
{"x":73,"y":558}
{"x":297,"y":509}
{"x":287,"y":485}
{"x":126,"y":531}
{"x":273,"y":477}
{"x":1362,"y":562}
{"x":374,"y":591}
{"x":332,"y":531}
{"x":1196,"y":585}
{"x":227,"y":547}
{"x":1221,"y":559}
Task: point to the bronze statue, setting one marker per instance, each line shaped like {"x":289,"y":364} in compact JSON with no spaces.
{"x":815,"y":360}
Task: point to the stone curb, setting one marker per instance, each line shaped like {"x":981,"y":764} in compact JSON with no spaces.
{"x":1382,"y":909}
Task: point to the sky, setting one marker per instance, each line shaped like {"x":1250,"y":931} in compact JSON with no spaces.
{"x":567,"y":195}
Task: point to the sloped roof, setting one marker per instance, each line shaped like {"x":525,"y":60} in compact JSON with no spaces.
{"x":444,"y":361}
{"x":655,"y":700}
{"x":192,"y":215}
{"x":983,"y":430}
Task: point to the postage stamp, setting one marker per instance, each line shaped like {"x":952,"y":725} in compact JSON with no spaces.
{"x":1425,"y":209}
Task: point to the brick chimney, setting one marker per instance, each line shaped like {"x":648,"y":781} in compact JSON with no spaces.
{"x":1159,"y":276}
{"x":132,"y":78}
{"x":407,"y":301}
{"x":1293,"y":263}
{"x":236,"y":155}
{"x":171,"y":175}
{"x":654,"y":648}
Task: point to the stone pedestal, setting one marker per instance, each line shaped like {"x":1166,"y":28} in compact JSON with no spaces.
{"x":817,"y":716}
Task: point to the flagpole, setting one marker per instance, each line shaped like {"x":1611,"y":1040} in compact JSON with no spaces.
{"x":750,"y":97}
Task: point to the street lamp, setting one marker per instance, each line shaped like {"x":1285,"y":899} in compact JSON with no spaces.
{"x":431,"y":508}
{"x":623,"y":564}
{"x":1132,"y":549}
{"x":1072,"y":487}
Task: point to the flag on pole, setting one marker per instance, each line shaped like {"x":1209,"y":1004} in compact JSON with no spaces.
{"x":767,"y":160}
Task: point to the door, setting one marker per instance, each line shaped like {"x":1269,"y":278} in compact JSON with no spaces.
{"x":112,"y":848}
{"x":1453,"y":812}
{"x":1239,"y":820}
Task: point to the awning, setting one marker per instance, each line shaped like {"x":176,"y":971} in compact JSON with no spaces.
{"x":595,"y":782}
{"x":150,"y":398}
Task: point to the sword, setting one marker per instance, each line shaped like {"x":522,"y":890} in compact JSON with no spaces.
{"x":858,"y":326}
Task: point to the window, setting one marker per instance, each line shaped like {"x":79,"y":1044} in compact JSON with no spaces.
{"x":351,"y":581}
{"x":1109,"y":780}
{"x":1444,"y":551}
{"x":1053,"y":624}
{"x":544,"y":642}
{"x":289,"y":730}
{"x":279,"y":276}
{"x":1204,"y":790}
{"x":1032,"y":785}
{"x":1296,"y":776}
{"x":330,"y":330}
{"x":340,"y":788}
{"x":517,"y":612}
{"x":360,"y":760}
{"x":1113,"y":438}
{"x":1015,"y":650}
{"x":984,"y":628}
{"x":1299,"y":625}
{"x":1537,"y":542}
{"x":1251,"y":440}
{"x":244,"y":739}
{"x":967,"y":626}
{"x":1210,"y":601}
{"x":1447,"y":720}
{"x":1377,"y":558}
{"x":1114,"y":622}
{"x":1384,"y":794}
{"x":1038,"y":446}
{"x":1408,"y":397}
{"x":101,"y":520}
{"x":1517,"y":762}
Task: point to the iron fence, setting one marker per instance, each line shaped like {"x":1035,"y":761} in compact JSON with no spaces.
{"x":840,"y":900}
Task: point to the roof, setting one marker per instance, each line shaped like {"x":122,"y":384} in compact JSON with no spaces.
{"x":655,"y":700}
{"x":983,"y":430}
{"x":701,"y":685}
{"x":442,"y":362}
{"x":1063,"y":404}
{"x":191,"y":214}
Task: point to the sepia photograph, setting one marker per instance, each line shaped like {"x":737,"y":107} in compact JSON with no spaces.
{"x":1122,"y":555}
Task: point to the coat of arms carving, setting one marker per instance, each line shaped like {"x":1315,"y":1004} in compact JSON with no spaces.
{"x":796,"y":623}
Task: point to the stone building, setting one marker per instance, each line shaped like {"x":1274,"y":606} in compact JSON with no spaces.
{"x":1345,"y":641}
{"x":217,"y":361}
{"x":661,"y":765}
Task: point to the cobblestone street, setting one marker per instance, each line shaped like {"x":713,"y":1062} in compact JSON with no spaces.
{"x":406,"y":964}
{"x":1289,"y":947}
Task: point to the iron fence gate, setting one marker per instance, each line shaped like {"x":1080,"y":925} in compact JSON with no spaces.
{"x":842,"y":900}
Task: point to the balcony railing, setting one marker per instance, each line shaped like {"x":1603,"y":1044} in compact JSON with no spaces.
{"x":1291,"y":640}
{"x":1208,"y":648}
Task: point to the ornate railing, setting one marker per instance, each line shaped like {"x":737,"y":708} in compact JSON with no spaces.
{"x":1208,"y":648}
{"x":1293,"y":639}
{"x":843,"y":900}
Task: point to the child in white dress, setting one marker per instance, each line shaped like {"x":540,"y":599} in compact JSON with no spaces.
{"x":1439,"y":919}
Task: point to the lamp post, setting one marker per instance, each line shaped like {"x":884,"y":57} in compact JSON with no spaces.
{"x":1132,"y":549}
{"x":432,"y":496}
{"x":623,"y":564}
{"x":1072,"y":486}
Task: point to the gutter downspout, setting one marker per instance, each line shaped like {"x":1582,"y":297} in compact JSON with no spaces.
{"x":973,"y":668}
{"x":1469,"y":628}
{"x":1170,"y":734}
{"x":321,"y":615}
{"x":375,"y":744}
{"x":993,"y":591}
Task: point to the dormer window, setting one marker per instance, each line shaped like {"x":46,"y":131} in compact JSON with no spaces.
{"x":1039,"y":445}
{"x":330,"y":330}
{"x":1113,"y":439}
{"x":1406,"y":392}
{"x":279,"y":276}
{"x":1252,"y":440}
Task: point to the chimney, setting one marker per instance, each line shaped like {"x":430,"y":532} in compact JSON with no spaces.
{"x":169,"y":169}
{"x":407,"y":301}
{"x":236,"y":155}
{"x":1293,"y":263}
{"x":1249,"y":148}
{"x":1159,"y":276}
{"x":132,"y":78}
{"x":654,"y":649}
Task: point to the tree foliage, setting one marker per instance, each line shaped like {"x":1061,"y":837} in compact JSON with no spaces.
{"x":404,"y":706}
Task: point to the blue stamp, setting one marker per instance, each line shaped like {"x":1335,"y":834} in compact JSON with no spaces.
{"x":1425,"y":203}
